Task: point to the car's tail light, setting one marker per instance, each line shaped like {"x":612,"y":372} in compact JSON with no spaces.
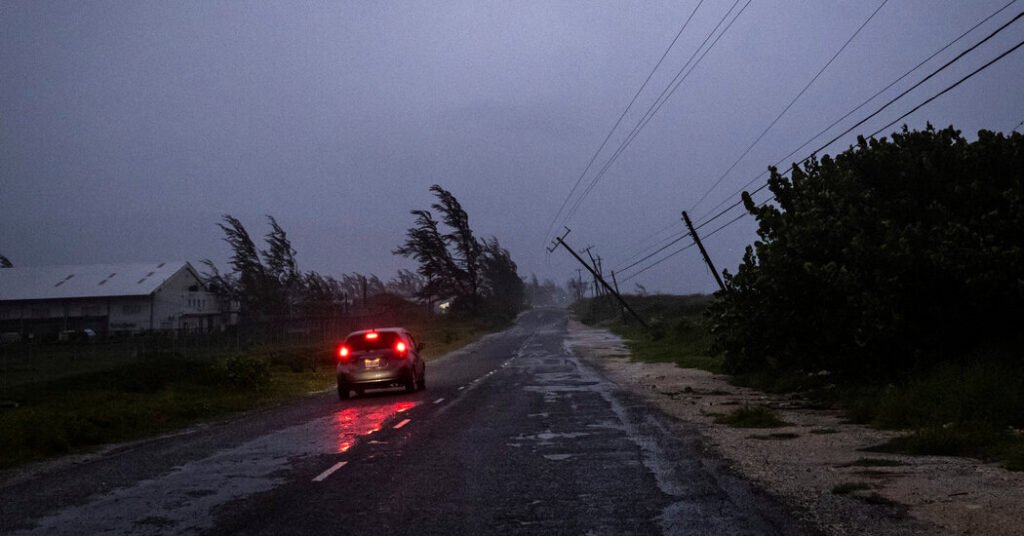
{"x":344,"y":353}
{"x":400,"y":348}
{"x":372,"y":336}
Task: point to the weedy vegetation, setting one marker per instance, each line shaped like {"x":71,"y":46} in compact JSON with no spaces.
{"x":751,"y":417}
{"x":108,"y":399}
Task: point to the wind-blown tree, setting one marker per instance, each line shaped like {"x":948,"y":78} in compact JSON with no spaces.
{"x":320,"y":295}
{"x":503,"y":289}
{"x":892,"y":256}
{"x":282,"y":268}
{"x":477,"y":275}
{"x":253,"y":286}
{"x":426,"y":244}
{"x":359,"y":288}
{"x":224,"y":285}
{"x":407,"y":284}
{"x":268,"y":282}
{"x":464,"y":247}
{"x":280,"y":255}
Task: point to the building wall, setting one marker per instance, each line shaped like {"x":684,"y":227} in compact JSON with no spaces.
{"x":183,"y":303}
{"x":180,"y":303}
{"x":45,"y":318}
{"x":129,"y":314}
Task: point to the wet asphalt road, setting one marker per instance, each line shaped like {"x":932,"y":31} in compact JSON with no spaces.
{"x":512,"y":435}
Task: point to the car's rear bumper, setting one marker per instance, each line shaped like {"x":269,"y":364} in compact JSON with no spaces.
{"x":373,"y":378}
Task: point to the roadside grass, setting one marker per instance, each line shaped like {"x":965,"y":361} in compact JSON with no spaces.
{"x":143,"y":399}
{"x":677,"y":335}
{"x":974,"y":408}
{"x":119,"y":400}
{"x":751,"y":417}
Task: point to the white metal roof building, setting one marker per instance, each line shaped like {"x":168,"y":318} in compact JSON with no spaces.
{"x":107,"y":298}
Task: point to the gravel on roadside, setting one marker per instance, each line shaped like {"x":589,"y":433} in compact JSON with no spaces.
{"x":817,"y":462}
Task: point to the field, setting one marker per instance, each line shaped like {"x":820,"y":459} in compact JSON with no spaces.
{"x":63,"y":399}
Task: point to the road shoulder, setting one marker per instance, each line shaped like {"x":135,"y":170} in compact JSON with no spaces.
{"x":817,"y":453}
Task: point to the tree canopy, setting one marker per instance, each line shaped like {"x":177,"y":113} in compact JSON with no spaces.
{"x":896,"y":254}
{"x":477,"y":274}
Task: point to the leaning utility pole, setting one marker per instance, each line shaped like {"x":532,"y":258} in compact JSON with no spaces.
{"x":560,"y":241}
{"x":615,"y":283}
{"x":593,"y":265}
{"x":707,"y":259}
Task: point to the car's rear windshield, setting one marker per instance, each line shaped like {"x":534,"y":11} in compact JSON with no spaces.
{"x":372,"y":341}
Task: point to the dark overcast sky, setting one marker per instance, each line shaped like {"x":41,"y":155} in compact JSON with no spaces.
{"x":128,"y":128}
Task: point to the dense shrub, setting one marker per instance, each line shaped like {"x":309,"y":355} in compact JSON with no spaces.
{"x":243,"y":371}
{"x":892,"y":256}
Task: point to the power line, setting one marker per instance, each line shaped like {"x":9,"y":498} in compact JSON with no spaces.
{"x":788,"y":106}
{"x":645,"y":248}
{"x":659,"y":261}
{"x":950,"y":88}
{"x":621,"y":117}
{"x":660,"y":101}
{"x":688,"y":246}
{"x":914,"y":109}
{"x":861,"y":105}
{"x":704,"y":222}
{"x":883,"y":107}
{"x":900,"y":118}
{"x":659,"y":250}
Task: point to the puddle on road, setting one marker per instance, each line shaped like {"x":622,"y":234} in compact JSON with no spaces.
{"x":183,"y":499}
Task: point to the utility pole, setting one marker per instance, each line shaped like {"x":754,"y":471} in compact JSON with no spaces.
{"x":615,"y":283}
{"x":707,"y":259}
{"x":593,"y":265}
{"x":560,"y":241}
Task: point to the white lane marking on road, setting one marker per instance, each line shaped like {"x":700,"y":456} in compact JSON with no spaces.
{"x":461,"y":388}
{"x":323,"y":476}
{"x":439,"y":400}
{"x":401,"y":424}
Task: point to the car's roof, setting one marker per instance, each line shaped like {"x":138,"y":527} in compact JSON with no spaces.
{"x":393,"y":329}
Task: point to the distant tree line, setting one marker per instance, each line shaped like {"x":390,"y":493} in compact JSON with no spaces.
{"x":545,"y":293}
{"x":477,"y":276}
{"x":889,"y":258}
{"x":268,"y":283}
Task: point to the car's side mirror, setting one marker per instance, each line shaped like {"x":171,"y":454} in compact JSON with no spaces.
{"x":421,"y":346}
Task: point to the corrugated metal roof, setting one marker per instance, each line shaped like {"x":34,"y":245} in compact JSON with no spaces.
{"x":88,"y":281}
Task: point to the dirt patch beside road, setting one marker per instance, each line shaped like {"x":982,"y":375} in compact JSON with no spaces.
{"x":817,"y":461}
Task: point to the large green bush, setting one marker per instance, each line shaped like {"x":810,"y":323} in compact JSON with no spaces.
{"x":892,"y":256}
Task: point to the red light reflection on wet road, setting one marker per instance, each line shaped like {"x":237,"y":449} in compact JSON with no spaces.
{"x":351,"y":423}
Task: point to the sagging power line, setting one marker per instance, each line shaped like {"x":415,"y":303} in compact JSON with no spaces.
{"x":621,"y":117}
{"x":788,"y":107}
{"x":704,"y":219}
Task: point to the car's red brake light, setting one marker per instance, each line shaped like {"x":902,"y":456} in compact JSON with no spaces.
{"x":400,"y":348}
{"x":372,"y":336}
{"x":343,"y":353}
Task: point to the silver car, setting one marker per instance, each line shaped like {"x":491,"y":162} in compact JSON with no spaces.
{"x":380,"y":358}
